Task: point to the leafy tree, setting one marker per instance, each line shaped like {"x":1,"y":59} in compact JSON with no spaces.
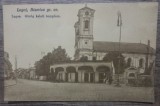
{"x":83,"y":59}
{"x":7,"y":66}
{"x":118,"y":61}
{"x":58,"y":55}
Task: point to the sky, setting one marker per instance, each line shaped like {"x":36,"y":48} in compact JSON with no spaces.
{"x":27,"y":38}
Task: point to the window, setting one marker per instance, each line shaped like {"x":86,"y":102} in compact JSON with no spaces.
{"x":141,"y":62}
{"x":86,"y":23}
{"x":86,"y":13}
{"x":86,"y":42}
{"x":129,"y":62}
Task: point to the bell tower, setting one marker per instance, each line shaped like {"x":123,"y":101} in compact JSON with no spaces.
{"x":84,"y":33}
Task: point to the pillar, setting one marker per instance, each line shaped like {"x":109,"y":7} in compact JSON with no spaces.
{"x":64,"y":74}
{"x":82,"y":76}
{"x":96,"y":77}
{"x":79,"y":76}
{"x":89,"y":75}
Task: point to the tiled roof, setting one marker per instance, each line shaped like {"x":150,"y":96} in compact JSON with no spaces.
{"x":140,"y":48}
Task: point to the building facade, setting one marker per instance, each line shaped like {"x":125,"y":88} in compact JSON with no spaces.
{"x":91,"y":72}
{"x":95,"y":70}
{"x":135,"y":53}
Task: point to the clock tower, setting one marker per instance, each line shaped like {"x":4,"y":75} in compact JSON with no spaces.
{"x":84,"y":33}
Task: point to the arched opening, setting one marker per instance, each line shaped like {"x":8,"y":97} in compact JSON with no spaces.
{"x":86,"y":68}
{"x":129,"y":60}
{"x":59,"y":73}
{"x":59,"y":69}
{"x":103,"y":74}
{"x":86,"y":24}
{"x":131,"y":79}
{"x":86,"y":74}
{"x":141,"y":62}
{"x":71,"y":75}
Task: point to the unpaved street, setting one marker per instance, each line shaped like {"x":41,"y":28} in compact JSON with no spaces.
{"x":28,"y":90}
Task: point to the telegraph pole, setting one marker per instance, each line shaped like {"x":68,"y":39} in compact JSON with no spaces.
{"x":119,"y":24}
{"x":15,"y":73}
{"x":15,"y":62}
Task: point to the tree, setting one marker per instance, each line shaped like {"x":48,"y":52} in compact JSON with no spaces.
{"x":83,"y":59}
{"x":7,"y":66}
{"x":115,"y":56}
{"x":58,"y":55}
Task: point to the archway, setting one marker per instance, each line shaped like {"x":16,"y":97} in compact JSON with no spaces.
{"x":104,"y":74}
{"x":71,"y":75}
{"x":59,"y":73}
{"x":86,"y":74}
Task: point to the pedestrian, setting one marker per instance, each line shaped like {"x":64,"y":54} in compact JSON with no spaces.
{"x":110,"y":80}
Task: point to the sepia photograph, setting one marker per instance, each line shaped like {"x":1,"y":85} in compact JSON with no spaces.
{"x":80,"y":52}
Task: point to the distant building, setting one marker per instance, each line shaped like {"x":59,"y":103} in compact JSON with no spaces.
{"x":26,"y":73}
{"x":32,"y":73}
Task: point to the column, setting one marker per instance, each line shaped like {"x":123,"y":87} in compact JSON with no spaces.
{"x":64,"y":74}
{"x":96,"y":77}
{"x":79,"y":76}
{"x":89,"y":77}
{"x":82,"y":76}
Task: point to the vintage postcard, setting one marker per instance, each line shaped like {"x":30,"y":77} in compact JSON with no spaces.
{"x":80,"y":52}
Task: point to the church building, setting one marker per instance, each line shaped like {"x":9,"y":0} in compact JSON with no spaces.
{"x":86,"y":46}
{"x":95,"y":70}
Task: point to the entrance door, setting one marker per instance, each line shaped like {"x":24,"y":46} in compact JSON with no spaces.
{"x":86,"y":77}
{"x":66,"y":74}
{"x":76,"y":77}
{"x":91,"y":77}
{"x":102,"y":77}
{"x":71,"y":77}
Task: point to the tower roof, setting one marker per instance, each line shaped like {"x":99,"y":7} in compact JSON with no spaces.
{"x":87,"y":8}
{"x":84,"y":9}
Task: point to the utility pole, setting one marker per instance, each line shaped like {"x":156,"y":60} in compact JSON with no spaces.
{"x":119,"y":24}
{"x":15,"y":62}
{"x":15,"y":73}
{"x":147,"y":56}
